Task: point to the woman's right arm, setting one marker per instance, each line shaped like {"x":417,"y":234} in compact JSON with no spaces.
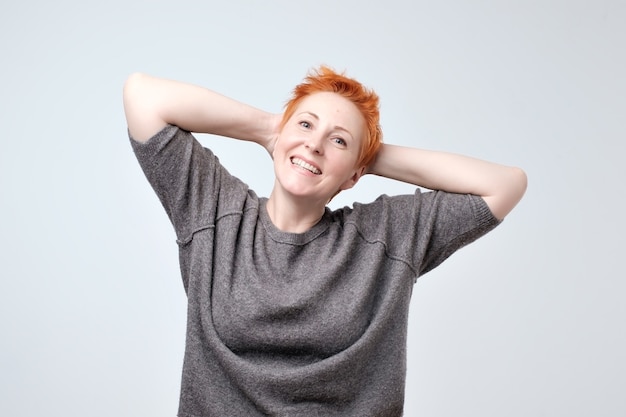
{"x":152,"y":103}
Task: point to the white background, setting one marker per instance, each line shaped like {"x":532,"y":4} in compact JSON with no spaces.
{"x":528,"y":321}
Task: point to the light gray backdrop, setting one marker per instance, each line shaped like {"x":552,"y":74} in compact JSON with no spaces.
{"x":528,"y":321}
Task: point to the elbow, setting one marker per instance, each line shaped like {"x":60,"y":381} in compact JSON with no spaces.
{"x":132,"y":86}
{"x":519,"y":183}
{"x":512,"y":187}
{"x":139,"y":107}
{"x":516,"y":185}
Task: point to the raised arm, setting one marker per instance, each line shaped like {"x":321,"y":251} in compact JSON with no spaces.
{"x":500,"y":186}
{"x":151,"y":103}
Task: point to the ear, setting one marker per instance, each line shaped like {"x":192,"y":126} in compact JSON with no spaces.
{"x":351,"y":182}
{"x":270,"y":146}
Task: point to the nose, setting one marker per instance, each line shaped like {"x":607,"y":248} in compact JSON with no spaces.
{"x":314,"y":144}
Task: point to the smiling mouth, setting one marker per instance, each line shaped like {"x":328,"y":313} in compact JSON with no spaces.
{"x":302,"y":164}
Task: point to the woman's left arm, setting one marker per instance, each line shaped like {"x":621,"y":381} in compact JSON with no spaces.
{"x":502,"y":187}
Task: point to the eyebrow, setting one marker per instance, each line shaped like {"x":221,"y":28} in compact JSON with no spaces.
{"x":316,"y":117}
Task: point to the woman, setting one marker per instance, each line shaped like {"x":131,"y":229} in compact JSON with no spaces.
{"x":294,"y":309}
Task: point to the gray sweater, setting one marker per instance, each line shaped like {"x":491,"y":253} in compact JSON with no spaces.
{"x":286,"y":324}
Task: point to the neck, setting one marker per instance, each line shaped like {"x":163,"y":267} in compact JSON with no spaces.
{"x":294,"y":215}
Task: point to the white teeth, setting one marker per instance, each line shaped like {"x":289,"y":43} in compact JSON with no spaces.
{"x":308,"y":167}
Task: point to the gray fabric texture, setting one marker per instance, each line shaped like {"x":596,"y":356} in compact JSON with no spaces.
{"x":285,"y":324}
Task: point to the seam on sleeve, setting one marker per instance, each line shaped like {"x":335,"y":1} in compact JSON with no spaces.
{"x":185,"y":240}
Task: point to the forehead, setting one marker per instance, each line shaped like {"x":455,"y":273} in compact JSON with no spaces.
{"x":332,"y":107}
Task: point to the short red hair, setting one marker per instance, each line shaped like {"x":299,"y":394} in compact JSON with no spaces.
{"x":324,"y":79}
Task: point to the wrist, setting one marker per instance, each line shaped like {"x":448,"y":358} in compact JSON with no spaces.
{"x":374,"y":165}
{"x":270,"y":129}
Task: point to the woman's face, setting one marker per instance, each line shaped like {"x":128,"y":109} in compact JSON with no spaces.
{"x":316,"y":153}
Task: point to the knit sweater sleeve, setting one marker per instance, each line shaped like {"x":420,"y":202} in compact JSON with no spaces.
{"x":425,"y":228}
{"x":187,"y":178}
{"x":449,"y":222}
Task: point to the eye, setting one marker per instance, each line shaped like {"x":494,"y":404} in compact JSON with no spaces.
{"x":305,"y":124}
{"x":339,"y":141}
